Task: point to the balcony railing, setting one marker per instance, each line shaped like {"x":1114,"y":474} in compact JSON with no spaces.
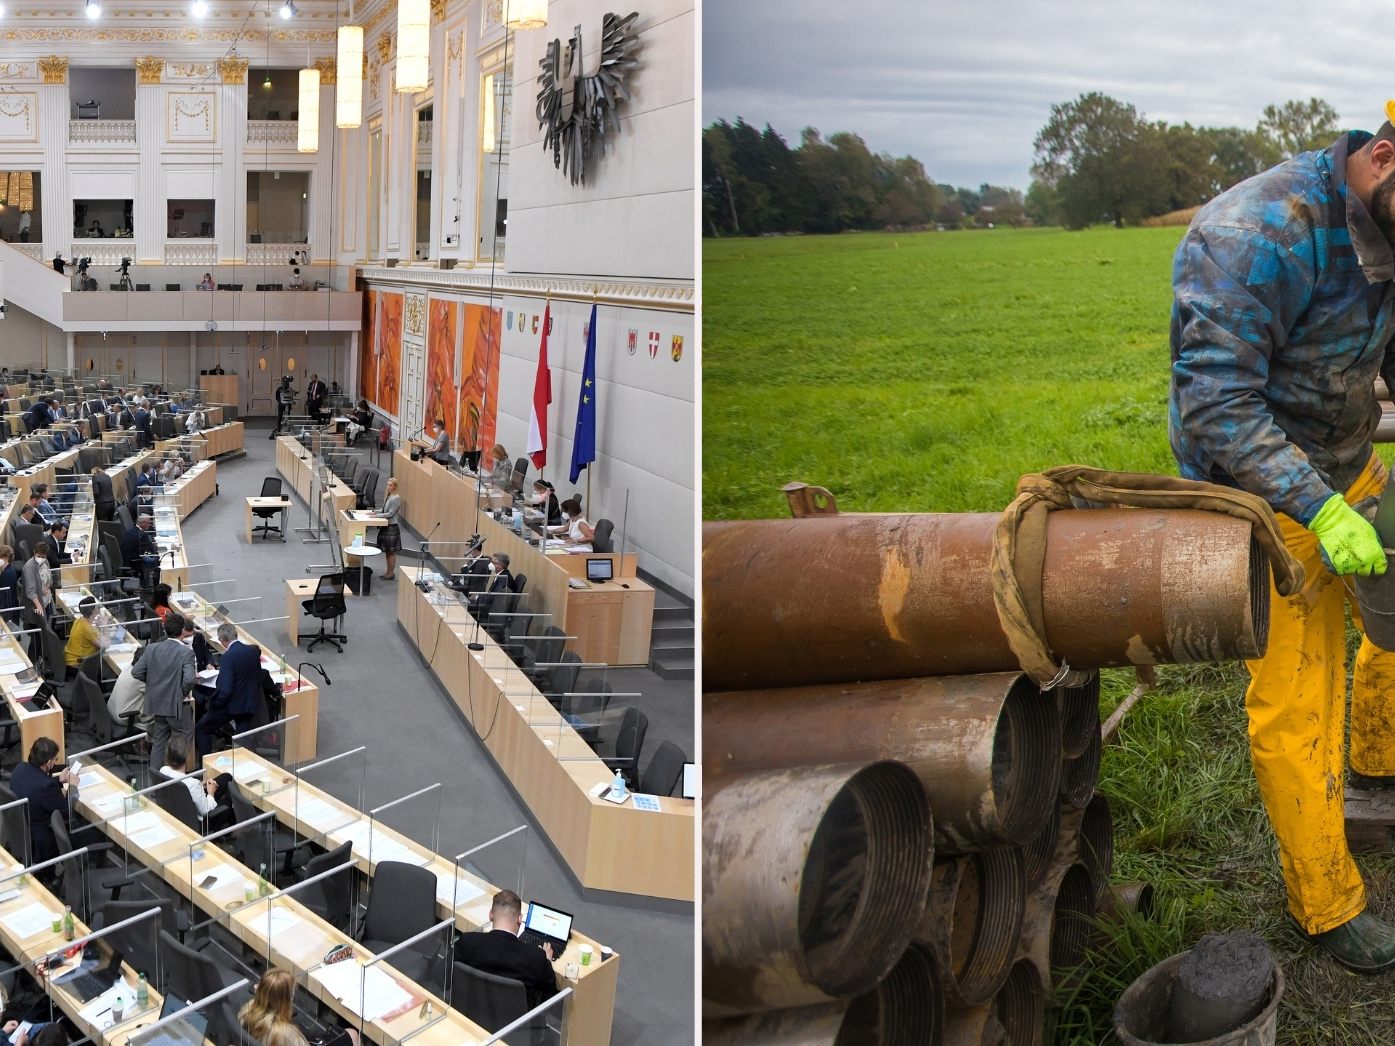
{"x":104,"y":252}
{"x":102,"y":132}
{"x":181,"y":252}
{"x":271,"y":132}
{"x":275,"y":253}
{"x":34,"y":250}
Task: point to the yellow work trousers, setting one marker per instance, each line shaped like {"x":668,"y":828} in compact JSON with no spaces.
{"x":1296,"y":704}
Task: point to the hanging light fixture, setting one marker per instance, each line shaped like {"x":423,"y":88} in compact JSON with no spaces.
{"x":266,"y":84}
{"x":488,"y":126}
{"x":93,"y":9}
{"x":348,"y":92}
{"x":526,"y":14}
{"x":308,"y":123}
{"x":413,"y":43}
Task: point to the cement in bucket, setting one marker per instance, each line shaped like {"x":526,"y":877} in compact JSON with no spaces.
{"x":1376,"y":598}
{"x":1140,"y":1016}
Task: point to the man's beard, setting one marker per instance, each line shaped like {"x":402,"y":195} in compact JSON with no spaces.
{"x":1383,"y":207}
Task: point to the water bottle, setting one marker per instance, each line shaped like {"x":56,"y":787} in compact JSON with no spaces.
{"x":142,"y":993}
{"x":617,"y":786}
{"x":69,"y":930}
{"x":263,"y":887}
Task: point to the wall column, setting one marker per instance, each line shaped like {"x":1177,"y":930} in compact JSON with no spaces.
{"x":150,"y":183}
{"x":57,"y":204}
{"x":230,"y":221}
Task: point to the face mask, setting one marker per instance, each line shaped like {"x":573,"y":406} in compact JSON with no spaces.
{"x":494,"y":568}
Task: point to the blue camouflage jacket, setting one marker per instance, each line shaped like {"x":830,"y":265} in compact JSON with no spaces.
{"x":1281,"y":319}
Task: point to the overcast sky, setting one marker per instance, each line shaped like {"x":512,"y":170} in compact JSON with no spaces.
{"x":965,"y":87}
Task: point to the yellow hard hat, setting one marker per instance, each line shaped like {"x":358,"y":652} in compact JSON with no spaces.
{"x":1390,"y":110}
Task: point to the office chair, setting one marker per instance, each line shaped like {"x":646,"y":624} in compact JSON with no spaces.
{"x":664,"y":771}
{"x":14,"y":827}
{"x":139,"y":943}
{"x":401,"y":904}
{"x":544,"y":651}
{"x":626,"y":744}
{"x":123,"y":514}
{"x":104,"y":728}
{"x":327,"y":604}
{"x":99,"y":879}
{"x":368,"y":490}
{"x":600,"y":536}
{"x":520,"y":582}
{"x":271,"y":488}
{"x":105,"y":570}
{"x":331,"y":898}
{"x":562,"y":679}
{"x":176,"y":801}
{"x":192,"y":974}
{"x":588,"y":700}
{"x":491,"y":1001}
{"x":95,"y":668}
{"x":520,"y":470}
{"x":29,"y":534}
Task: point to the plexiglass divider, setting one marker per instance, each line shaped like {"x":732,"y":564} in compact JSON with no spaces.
{"x":195,"y":1022}
{"x":111,"y":756}
{"x":406,"y":829}
{"x":482,"y":871}
{"x":268,"y":742}
{"x":394,"y":984}
{"x":137,"y":821}
{"x":94,"y":979}
{"x":220,"y":869}
{"x":14,"y":829}
{"x":281,"y":932}
{"x":318,"y":812}
{"x":551,"y":1014}
{"x":32,"y":903}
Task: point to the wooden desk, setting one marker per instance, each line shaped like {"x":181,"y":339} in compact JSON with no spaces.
{"x":220,"y":388}
{"x":330,"y":822}
{"x":612,"y":624}
{"x":296,"y":465}
{"x":283,"y":503}
{"x":607,"y":847}
{"x":298,"y":949}
{"x":218,"y":439}
{"x":193,"y":487}
{"x":352,"y":523}
{"x":34,"y":723}
{"x":29,"y":950}
{"x":299,"y":589}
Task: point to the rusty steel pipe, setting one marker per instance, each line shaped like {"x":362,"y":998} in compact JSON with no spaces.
{"x":843,"y":598}
{"x":813,"y":879}
{"x":1016,"y":1016}
{"x":1039,"y":853}
{"x":972,"y":921}
{"x":1079,"y":707}
{"x":1087,"y":836}
{"x":986,"y":748}
{"x":1056,"y":924}
{"x":906,"y":1008}
{"x":1080,"y":775}
{"x":1136,"y":897}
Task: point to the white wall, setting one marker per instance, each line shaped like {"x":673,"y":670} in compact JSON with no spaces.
{"x":24,"y":338}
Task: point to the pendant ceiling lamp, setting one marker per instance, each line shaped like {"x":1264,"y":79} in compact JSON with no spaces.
{"x":526,"y":14}
{"x":413,"y":44}
{"x":348,"y":91}
{"x":308,"y":123}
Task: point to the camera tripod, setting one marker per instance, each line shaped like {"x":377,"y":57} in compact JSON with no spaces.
{"x":125,"y":283}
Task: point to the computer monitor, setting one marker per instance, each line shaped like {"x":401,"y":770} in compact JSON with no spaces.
{"x":689,"y":780}
{"x":599,"y":568}
{"x":189,"y":1030}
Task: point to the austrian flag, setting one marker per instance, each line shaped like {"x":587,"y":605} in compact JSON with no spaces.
{"x":542,"y":396}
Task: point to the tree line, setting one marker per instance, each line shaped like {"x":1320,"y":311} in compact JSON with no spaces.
{"x":1096,"y":160}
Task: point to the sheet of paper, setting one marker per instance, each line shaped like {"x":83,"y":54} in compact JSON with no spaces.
{"x":98,"y":1011}
{"x":244,"y":770}
{"x":142,"y":822}
{"x":89,"y":780}
{"x":366,"y":990}
{"x":224,"y":874}
{"x":455,"y":890}
{"x":27,"y":921}
{"x":152,"y":837}
{"x":323,"y":815}
{"x":283,"y":920}
{"x":108,"y":804}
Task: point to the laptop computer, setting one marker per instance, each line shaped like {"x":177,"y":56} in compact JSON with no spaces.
{"x":189,"y":1030}
{"x":544,"y":925}
{"x":87,"y":983}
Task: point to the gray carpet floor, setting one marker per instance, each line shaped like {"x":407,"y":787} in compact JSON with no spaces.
{"x":383,"y":695}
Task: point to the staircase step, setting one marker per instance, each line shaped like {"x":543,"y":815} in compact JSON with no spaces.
{"x":672,"y":649}
{"x":673,"y":668}
{"x":674,"y":613}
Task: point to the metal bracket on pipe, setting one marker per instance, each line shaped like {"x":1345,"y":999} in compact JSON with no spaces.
{"x":806,"y":500}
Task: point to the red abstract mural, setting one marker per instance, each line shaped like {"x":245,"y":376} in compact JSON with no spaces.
{"x":368,"y":350}
{"x":479,"y":372}
{"x":441,"y":396}
{"x":389,"y":353}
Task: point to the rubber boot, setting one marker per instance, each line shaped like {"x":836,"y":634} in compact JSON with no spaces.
{"x":1365,"y":943}
{"x":1366,"y":783}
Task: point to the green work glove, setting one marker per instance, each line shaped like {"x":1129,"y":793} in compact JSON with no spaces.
{"x":1350,"y":545}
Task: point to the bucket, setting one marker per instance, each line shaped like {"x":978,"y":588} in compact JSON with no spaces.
{"x":1376,"y":598}
{"x":1140,"y":1016}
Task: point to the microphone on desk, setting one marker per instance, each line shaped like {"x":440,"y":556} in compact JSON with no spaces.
{"x":426,"y":545}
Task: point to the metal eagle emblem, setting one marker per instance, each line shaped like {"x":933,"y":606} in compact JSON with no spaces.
{"x":578,"y":111}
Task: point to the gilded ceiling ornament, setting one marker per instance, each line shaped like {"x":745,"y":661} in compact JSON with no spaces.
{"x":384,"y":47}
{"x":15,"y":70}
{"x":415,"y":314}
{"x":149,"y":71}
{"x":438,"y":10}
{"x":328,"y":70}
{"x":233,"y":70}
{"x":53,"y":69}
{"x":187,"y":71}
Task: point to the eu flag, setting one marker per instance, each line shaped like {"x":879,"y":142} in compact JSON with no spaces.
{"x":584,"y":442}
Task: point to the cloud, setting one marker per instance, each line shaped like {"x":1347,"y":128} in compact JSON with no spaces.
{"x":966,"y":87}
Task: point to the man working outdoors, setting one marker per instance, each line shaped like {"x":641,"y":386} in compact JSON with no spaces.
{"x":1281,"y":322}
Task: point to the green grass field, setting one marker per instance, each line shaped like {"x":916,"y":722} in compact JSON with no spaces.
{"x":926,"y":373}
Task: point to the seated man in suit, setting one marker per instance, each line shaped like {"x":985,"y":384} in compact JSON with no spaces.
{"x":239,"y":688}
{"x":500,"y":952}
{"x":500,"y":581}
{"x":139,"y":541}
{"x":34,"y":780}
